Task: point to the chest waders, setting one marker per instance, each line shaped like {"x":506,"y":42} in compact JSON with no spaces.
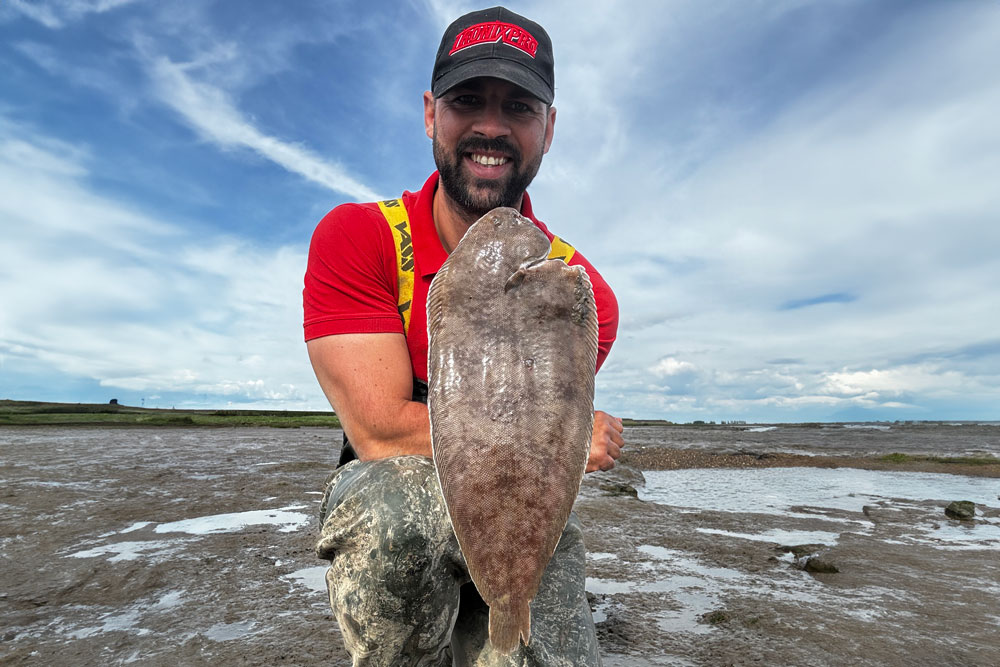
{"x":398,"y":221}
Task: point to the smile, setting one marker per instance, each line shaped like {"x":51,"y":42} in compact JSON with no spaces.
{"x":488,"y":160}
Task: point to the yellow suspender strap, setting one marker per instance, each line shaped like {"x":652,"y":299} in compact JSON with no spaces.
{"x":399,"y":225}
{"x":561,"y":250}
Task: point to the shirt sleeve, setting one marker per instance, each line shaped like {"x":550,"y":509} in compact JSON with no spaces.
{"x":351,"y":275}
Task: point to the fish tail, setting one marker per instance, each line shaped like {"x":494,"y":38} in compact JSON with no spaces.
{"x":508,"y":624}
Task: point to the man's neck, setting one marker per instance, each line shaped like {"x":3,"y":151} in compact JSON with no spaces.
{"x":452,"y":221}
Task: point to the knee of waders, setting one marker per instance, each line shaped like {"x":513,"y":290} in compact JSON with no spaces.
{"x":390,"y":512}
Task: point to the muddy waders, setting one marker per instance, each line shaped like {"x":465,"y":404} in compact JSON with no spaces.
{"x":399,"y":586}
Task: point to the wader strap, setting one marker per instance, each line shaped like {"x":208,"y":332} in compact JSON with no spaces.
{"x":561,"y":250}
{"x":399,"y":225}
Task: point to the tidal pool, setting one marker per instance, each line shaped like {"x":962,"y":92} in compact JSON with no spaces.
{"x":775,"y":490}
{"x":290,"y":521}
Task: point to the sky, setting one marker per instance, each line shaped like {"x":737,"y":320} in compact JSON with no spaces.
{"x":797,"y":203}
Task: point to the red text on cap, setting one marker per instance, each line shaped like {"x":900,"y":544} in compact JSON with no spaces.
{"x":494,"y":31}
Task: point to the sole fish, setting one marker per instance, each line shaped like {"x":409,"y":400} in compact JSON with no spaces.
{"x":511,"y":364}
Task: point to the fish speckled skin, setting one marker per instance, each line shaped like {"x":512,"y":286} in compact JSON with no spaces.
{"x":512,"y":358}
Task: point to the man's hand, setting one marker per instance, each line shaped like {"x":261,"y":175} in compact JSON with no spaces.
{"x":607,"y":442}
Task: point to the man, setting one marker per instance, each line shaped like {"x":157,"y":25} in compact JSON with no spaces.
{"x":397,"y":580}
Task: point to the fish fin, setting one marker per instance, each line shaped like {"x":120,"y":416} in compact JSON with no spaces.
{"x":508,"y":624}
{"x":518,"y":276}
{"x":515,"y":279}
{"x":436,"y":299}
{"x":585,"y":314}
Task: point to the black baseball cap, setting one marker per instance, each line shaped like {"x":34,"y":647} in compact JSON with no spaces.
{"x":499,"y":43}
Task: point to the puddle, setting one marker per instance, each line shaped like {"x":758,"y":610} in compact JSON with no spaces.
{"x":224,"y":632}
{"x":954,"y":535}
{"x":130,"y":550}
{"x":112,"y":623}
{"x":761,"y":429}
{"x":288,"y":520}
{"x":601,"y":612}
{"x":692,"y":589}
{"x":696,"y":589}
{"x":124,"y":621}
{"x":679,"y":561}
{"x":694,"y":605}
{"x":769,"y":490}
{"x":776,"y":491}
{"x":230,"y":523}
{"x":137,"y":526}
{"x":780,"y":536}
{"x":168,"y":601}
{"x":313,"y":578}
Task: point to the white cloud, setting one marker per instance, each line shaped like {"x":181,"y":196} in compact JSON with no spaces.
{"x":896,"y":381}
{"x":57,"y":13}
{"x":95,"y":289}
{"x":210,"y":112}
{"x":670,"y":366}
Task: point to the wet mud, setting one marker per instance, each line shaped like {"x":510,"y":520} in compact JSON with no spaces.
{"x":195,"y":546}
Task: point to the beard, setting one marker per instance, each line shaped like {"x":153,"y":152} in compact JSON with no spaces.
{"x":477,"y":196}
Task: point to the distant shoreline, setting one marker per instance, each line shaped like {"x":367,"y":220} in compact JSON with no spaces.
{"x":112,"y":415}
{"x":46,"y":413}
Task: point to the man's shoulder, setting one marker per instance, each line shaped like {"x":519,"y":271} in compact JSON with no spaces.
{"x":352,"y":214}
{"x":352,"y":228}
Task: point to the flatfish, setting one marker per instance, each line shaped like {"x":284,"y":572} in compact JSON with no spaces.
{"x":511,"y":363}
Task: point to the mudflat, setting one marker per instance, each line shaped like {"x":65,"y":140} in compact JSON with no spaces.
{"x":710,"y":545}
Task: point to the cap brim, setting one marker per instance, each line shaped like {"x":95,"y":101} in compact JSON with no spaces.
{"x":498,"y":68}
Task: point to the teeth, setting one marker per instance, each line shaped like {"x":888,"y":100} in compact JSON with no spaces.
{"x":488,"y":160}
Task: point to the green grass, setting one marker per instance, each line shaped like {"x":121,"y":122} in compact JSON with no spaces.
{"x":897,"y":457}
{"x":645,"y":422}
{"x":33,"y":413}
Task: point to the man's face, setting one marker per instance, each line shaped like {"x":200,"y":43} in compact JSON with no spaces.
{"x":489,"y":137}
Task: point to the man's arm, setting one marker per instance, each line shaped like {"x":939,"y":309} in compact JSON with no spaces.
{"x":369,"y":382}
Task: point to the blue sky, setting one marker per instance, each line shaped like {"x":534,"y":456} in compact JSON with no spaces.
{"x":797,"y":203}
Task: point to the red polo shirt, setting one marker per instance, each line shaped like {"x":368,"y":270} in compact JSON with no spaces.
{"x":351,"y":281}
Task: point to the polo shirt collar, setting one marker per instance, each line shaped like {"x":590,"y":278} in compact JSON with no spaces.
{"x":430,"y":253}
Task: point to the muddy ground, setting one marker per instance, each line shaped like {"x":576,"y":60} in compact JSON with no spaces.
{"x":100,"y":563}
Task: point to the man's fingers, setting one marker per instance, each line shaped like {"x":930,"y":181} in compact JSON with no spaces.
{"x":607,"y":443}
